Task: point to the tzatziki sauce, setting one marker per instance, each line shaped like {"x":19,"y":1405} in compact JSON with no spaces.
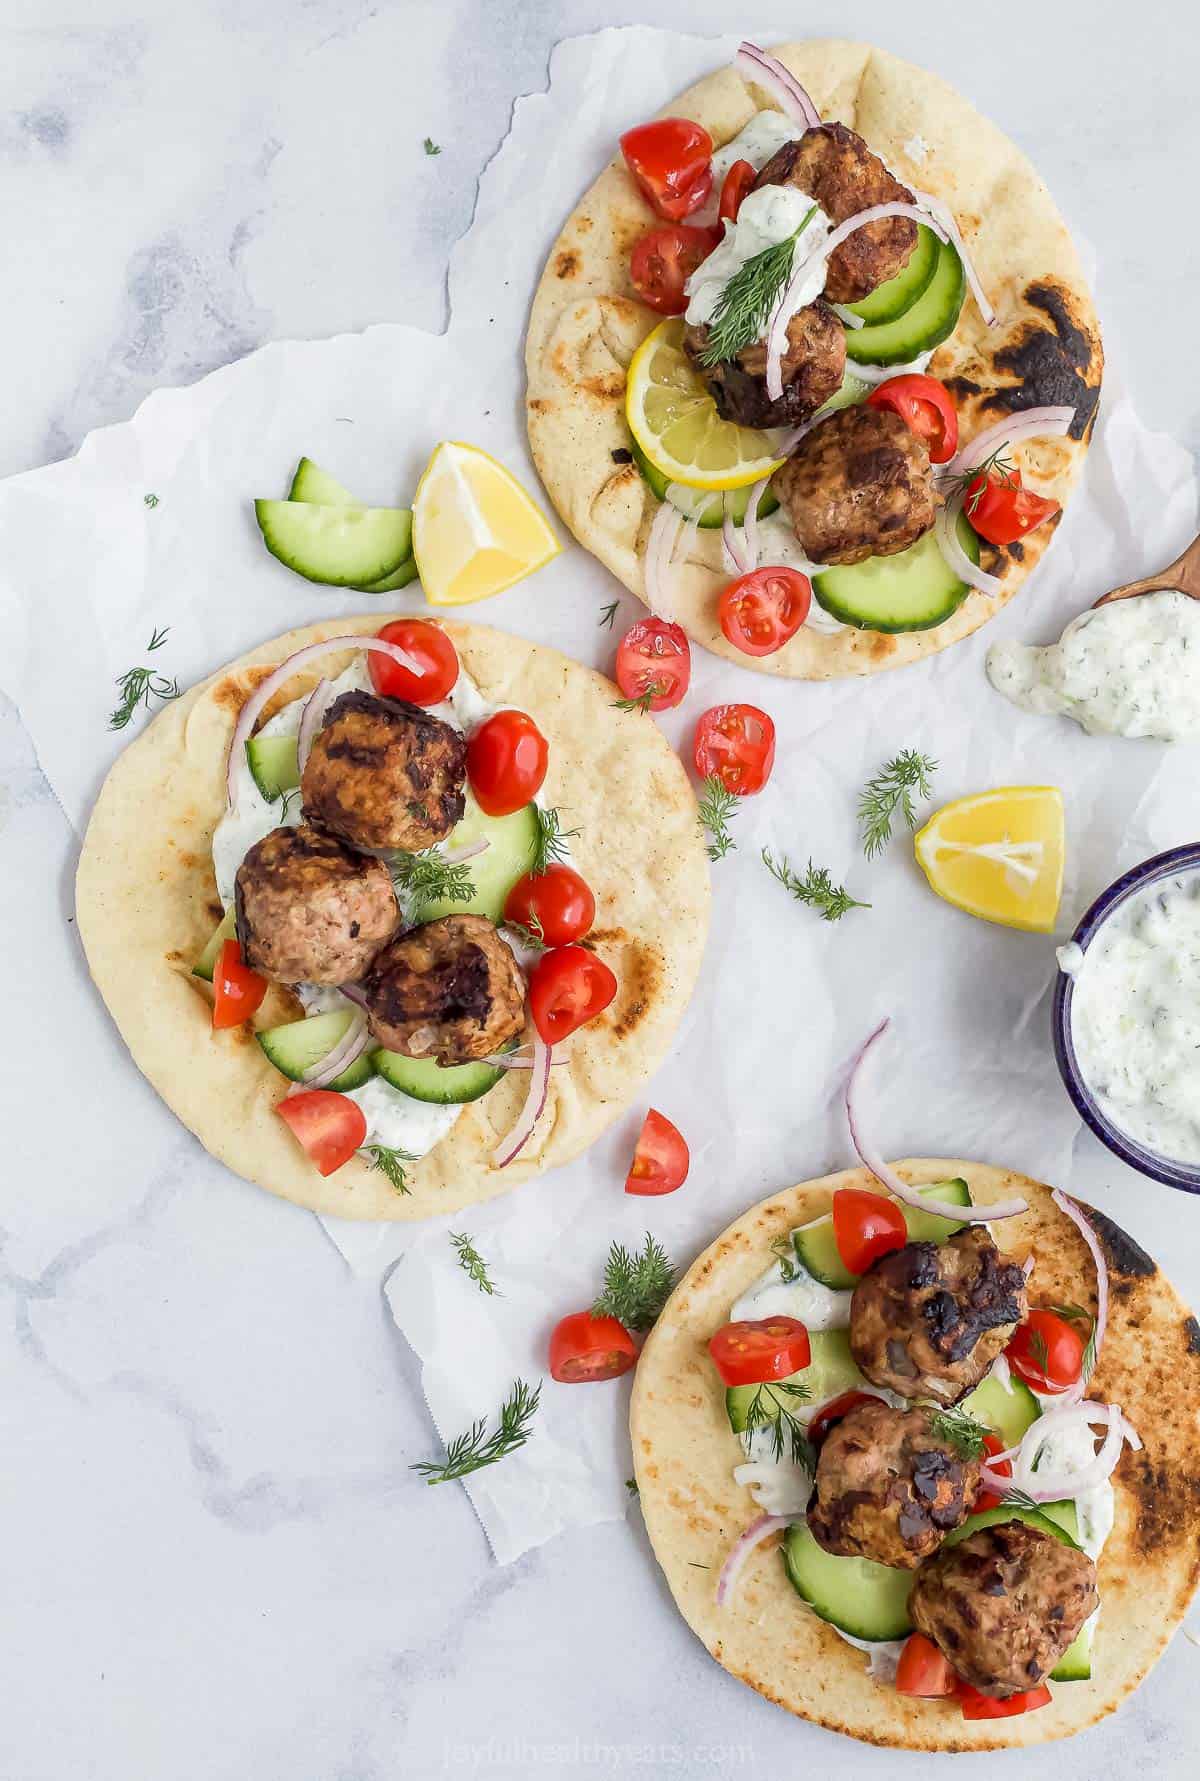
{"x":767,"y":217}
{"x":762,"y":137}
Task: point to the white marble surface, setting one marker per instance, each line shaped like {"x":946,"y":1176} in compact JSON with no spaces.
{"x":217,"y":1562}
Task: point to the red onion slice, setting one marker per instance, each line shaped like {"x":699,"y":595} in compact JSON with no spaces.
{"x":519,"y":1060}
{"x":1050,"y":1487}
{"x":945,"y":526}
{"x":754,"y":1535}
{"x":515,"y":1140}
{"x":847,"y":316}
{"x":664,"y":533}
{"x":1075,"y":1213}
{"x":876,"y":374}
{"x":1034,"y":422}
{"x":353,"y":1042}
{"x":454,"y":856}
{"x":751,"y":521}
{"x":754,"y":64}
{"x":872,"y":1160}
{"x":940,"y":218}
{"x":310,"y":721}
{"x":733,"y":548}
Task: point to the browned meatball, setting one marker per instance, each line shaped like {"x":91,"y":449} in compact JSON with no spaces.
{"x":450,"y":989}
{"x":382,"y":773}
{"x":859,"y":485}
{"x":888,"y":1488}
{"x":311,"y":911}
{"x":928,"y":1320}
{"x":1003,"y":1604}
{"x":835,"y":166}
{"x":812,"y":368}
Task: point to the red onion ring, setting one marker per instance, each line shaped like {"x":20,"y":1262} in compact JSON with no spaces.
{"x":352,"y":993}
{"x":310,"y":719}
{"x":750,"y":525}
{"x":1075,"y":1213}
{"x":664,"y":533}
{"x":945,"y":526}
{"x":736,"y":560}
{"x":876,"y":374}
{"x":519,"y":1060}
{"x":454,"y":856}
{"x":353,"y":1042}
{"x":1049,"y":1487}
{"x":754,"y":64}
{"x":1044,"y":422}
{"x":279,"y":677}
{"x":872,"y":1160}
{"x":847,"y":316}
{"x":754,"y":1535}
{"x":939,"y":213}
{"x":515,"y":1140}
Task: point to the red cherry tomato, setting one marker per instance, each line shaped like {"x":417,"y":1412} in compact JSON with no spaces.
{"x":923,"y":1670}
{"x":506,"y":762}
{"x":661,"y":1160}
{"x":760,"y":612}
{"x":985,"y":1706}
{"x":833,"y":1411}
{"x":768,"y":1348}
{"x":330,"y":1126}
{"x":567,"y":988}
{"x":429,"y":645}
{"x":1047,"y":1352}
{"x":987,"y":1499}
{"x":734,"y":187}
{"x":556,"y":906}
{"x":737,"y":743}
{"x":654,"y":654}
{"x":237,"y":990}
{"x":924,"y":406}
{"x":1002,"y":510}
{"x":584,"y":1348}
{"x":671,"y":160}
{"x":662,"y":262}
{"x":866,"y":1226}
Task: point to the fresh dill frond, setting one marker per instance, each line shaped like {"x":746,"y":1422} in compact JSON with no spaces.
{"x":631,"y":1486}
{"x":642,"y":702}
{"x":1088,"y":1365}
{"x":286,"y":800}
{"x":959,"y":1429}
{"x":974,"y":481}
{"x":471,"y":1451}
{"x":892,"y":790}
{"x":1039,"y":1351}
{"x":1018,"y":1499}
{"x":717,"y":806}
{"x":1076,"y":1314}
{"x":532,"y":937}
{"x":390,"y":1163}
{"x":138,"y":686}
{"x":607,"y":615}
{"x":550,"y":841}
{"x":815,"y":887}
{"x":745,"y":304}
{"x":773,"y":1413}
{"x":636,"y":1287}
{"x":785,"y":1254}
{"x":150,"y":500}
{"x":471,"y":1262}
{"x":425,"y":878}
{"x":431,"y":147}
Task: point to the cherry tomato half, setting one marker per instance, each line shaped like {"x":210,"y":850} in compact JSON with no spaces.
{"x":237,"y":990}
{"x":737,"y":743}
{"x":671,"y":160}
{"x":734,"y":187}
{"x":427,"y":644}
{"x":1046,"y":1351}
{"x":584,"y":1348}
{"x":767,"y":1348}
{"x":985,"y":1706}
{"x":556,"y":905}
{"x":662,"y":262}
{"x":833,"y":1411}
{"x":866,"y":1226}
{"x":506,"y":762}
{"x":923,"y":1670}
{"x":567,"y":988}
{"x":760,"y":612}
{"x":661,"y":1160}
{"x":988,"y":1499}
{"x":654,"y":654}
{"x":924,"y":406}
{"x":1003,"y":510}
{"x":330,"y":1126}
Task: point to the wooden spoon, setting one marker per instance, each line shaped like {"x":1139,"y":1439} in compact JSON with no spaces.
{"x":1182,"y":575}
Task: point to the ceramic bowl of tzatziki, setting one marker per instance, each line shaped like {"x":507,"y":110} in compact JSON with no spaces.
{"x":1126,"y":1017}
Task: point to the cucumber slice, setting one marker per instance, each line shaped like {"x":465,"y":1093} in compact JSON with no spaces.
{"x":897,"y":295}
{"x":1047,"y":1520}
{"x":1007,"y":1413}
{"x":866,"y":1600}
{"x":712,"y":513}
{"x":316,"y":487}
{"x":1075,"y":1664}
{"x":852,"y":390}
{"x":507,"y":857}
{"x":425,"y":1080}
{"x":226,"y":929}
{"x":817,"y":1250}
{"x":398,"y":578}
{"x":273,"y":764}
{"x":930,"y":320}
{"x":300,"y":1044}
{"x":829,"y":1373}
{"x":338,"y":546}
{"x":929,"y":1227}
{"x":912,"y":591}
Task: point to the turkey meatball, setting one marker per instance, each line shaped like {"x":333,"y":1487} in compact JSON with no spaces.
{"x":859,"y":485}
{"x":311,"y":911}
{"x":450,"y":989}
{"x":812,"y":368}
{"x":384,"y":774}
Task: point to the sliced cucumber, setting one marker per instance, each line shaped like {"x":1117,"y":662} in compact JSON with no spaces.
{"x":338,"y":546}
{"x":866,"y":1600}
{"x":300,"y":1044}
{"x":912,"y":591}
{"x":426,"y":1080}
{"x":816,"y":1246}
{"x":507,"y":857}
{"x":1075,"y":1664}
{"x":316,"y":487}
{"x":273,"y":764}
{"x":829,"y":1373}
{"x":925,"y":324}
{"x":226,"y":929}
{"x":851,"y":390}
{"x":929,"y":1227}
{"x":398,"y":578}
{"x":1047,"y":1520}
{"x":712,"y":513}
{"x":1007,"y":1413}
{"x":897,"y":296}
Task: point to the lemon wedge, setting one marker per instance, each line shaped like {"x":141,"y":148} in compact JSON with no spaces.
{"x":674,"y":419}
{"x":475,"y":530}
{"x":999,"y":855}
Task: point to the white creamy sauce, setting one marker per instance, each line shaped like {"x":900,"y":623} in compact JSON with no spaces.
{"x":1129,"y":669}
{"x":1135,"y":1016}
{"x":818,"y":1307}
{"x":766,"y":132}
{"x":766,"y":218}
{"x":1071,"y":1450}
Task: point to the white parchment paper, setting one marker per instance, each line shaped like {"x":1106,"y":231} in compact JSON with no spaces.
{"x":88,"y":568}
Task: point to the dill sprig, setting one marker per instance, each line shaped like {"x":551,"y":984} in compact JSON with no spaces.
{"x":815,"y":887}
{"x":631,"y":1485}
{"x":139,"y":685}
{"x":390,"y":1163}
{"x":636,"y":1287}
{"x":550,"y":841}
{"x":999,"y":465}
{"x":425,"y":878}
{"x":431,"y":147}
{"x":748,"y":299}
{"x":959,"y":1429}
{"x":784,"y":1252}
{"x":286,"y":800}
{"x":471,"y":1451}
{"x":1018,"y":1499}
{"x":532,"y":937}
{"x":643,"y":702}
{"x":150,"y":500}
{"x":892,"y":790}
{"x":785,"y":1428}
{"x":607,"y":615}
{"x":717,"y":806}
{"x":472,"y":1263}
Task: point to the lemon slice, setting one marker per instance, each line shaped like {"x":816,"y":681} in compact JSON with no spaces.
{"x":475,"y":530}
{"x":674,"y":419}
{"x":999,"y":855}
